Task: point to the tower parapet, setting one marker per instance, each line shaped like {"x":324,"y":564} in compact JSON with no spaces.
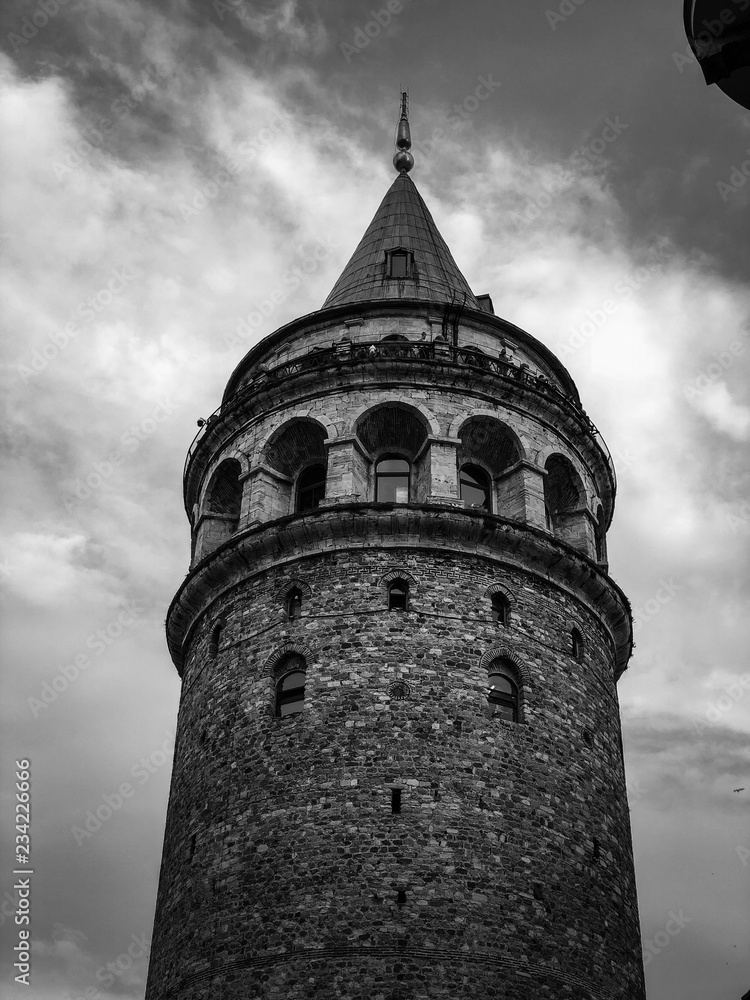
{"x":398,"y":769}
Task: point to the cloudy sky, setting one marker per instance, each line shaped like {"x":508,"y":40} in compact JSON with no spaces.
{"x":165,"y":166}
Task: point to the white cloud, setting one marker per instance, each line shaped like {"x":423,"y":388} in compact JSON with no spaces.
{"x":722,"y":412}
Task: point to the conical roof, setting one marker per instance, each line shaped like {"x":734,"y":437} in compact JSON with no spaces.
{"x":403,"y":222}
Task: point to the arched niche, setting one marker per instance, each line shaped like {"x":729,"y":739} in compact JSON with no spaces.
{"x":393,"y":432}
{"x":566,"y":513}
{"x":220,"y":509}
{"x":291,"y":472}
{"x":487,"y":444}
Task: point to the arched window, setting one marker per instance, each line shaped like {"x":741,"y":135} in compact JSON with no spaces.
{"x":392,"y":480}
{"x":503,"y":697}
{"x":500,"y":608}
{"x":600,"y":536}
{"x":474,"y":484}
{"x":503,"y":694}
{"x":565,"y":500}
{"x":576,"y":644}
{"x":398,"y":595}
{"x":290,"y":687}
{"x":294,"y":603}
{"x":213,"y":642}
{"x":311,"y":487}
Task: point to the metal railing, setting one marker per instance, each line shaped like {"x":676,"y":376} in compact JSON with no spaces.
{"x":349,"y":354}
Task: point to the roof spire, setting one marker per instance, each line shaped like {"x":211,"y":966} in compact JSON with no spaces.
{"x":403,"y":161}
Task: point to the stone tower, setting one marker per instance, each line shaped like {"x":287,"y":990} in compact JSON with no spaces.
{"x":398,"y":770}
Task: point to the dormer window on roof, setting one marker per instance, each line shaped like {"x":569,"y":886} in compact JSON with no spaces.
{"x":399,"y":263}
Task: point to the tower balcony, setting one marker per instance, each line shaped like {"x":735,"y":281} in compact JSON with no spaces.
{"x":421,"y":362}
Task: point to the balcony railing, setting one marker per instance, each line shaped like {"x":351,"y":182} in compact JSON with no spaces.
{"x":437,"y":353}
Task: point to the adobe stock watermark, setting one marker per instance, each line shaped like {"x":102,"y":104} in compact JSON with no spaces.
{"x":107,"y":975}
{"x":635,"y":790}
{"x":565,"y":10}
{"x":31,"y":24}
{"x":90,"y":483}
{"x":86,"y":311}
{"x":652,"y":606}
{"x":713,"y":372}
{"x":738,"y":176}
{"x":112,"y":802}
{"x":295,"y":276}
{"x":625,"y":460}
{"x":662,"y":939}
{"x":93,"y":137}
{"x":99,"y":641}
{"x":201,"y":197}
{"x":461,"y":111}
{"x":364,"y":34}
{"x":585,"y":157}
{"x":716,"y":710}
{"x":624,"y":289}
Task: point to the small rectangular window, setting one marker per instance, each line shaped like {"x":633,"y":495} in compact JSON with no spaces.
{"x":399,"y":265}
{"x":395,"y":800}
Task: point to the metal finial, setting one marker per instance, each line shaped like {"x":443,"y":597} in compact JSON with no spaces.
{"x":403,"y":160}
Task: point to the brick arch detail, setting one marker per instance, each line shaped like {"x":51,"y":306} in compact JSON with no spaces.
{"x":300,"y":648}
{"x":571,"y":627}
{"x":498,"y":588}
{"x":540,"y":459}
{"x":289,"y":418}
{"x":214,"y":635}
{"x":283,"y":590}
{"x":581,"y":471}
{"x":234,"y":452}
{"x":507,"y":654}
{"x":398,"y":574}
{"x":427,"y":415}
{"x":458,"y":421}
{"x":242,"y":457}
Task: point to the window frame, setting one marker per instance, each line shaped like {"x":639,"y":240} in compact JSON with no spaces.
{"x":500,"y":608}
{"x":502,"y":701}
{"x":576,"y":644}
{"x":483,"y":474}
{"x":379,"y":476}
{"x":294,"y":601}
{"x":403,"y":585}
{"x":300,"y":489}
{"x":282,"y":697}
{"x":400,"y":254}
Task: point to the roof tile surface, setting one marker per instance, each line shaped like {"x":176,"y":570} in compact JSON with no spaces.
{"x":402,"y":220}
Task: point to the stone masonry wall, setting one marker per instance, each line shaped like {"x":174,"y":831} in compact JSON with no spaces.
{"x":507,"y":873}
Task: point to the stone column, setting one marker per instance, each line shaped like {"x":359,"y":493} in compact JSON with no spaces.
{"x":347,"y":479}
{"x":210,"y":532}
{"x":266,"y":496}
{"x":577,"y":528}
{"x":520,"y":494}
{"x":438,"y":472}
